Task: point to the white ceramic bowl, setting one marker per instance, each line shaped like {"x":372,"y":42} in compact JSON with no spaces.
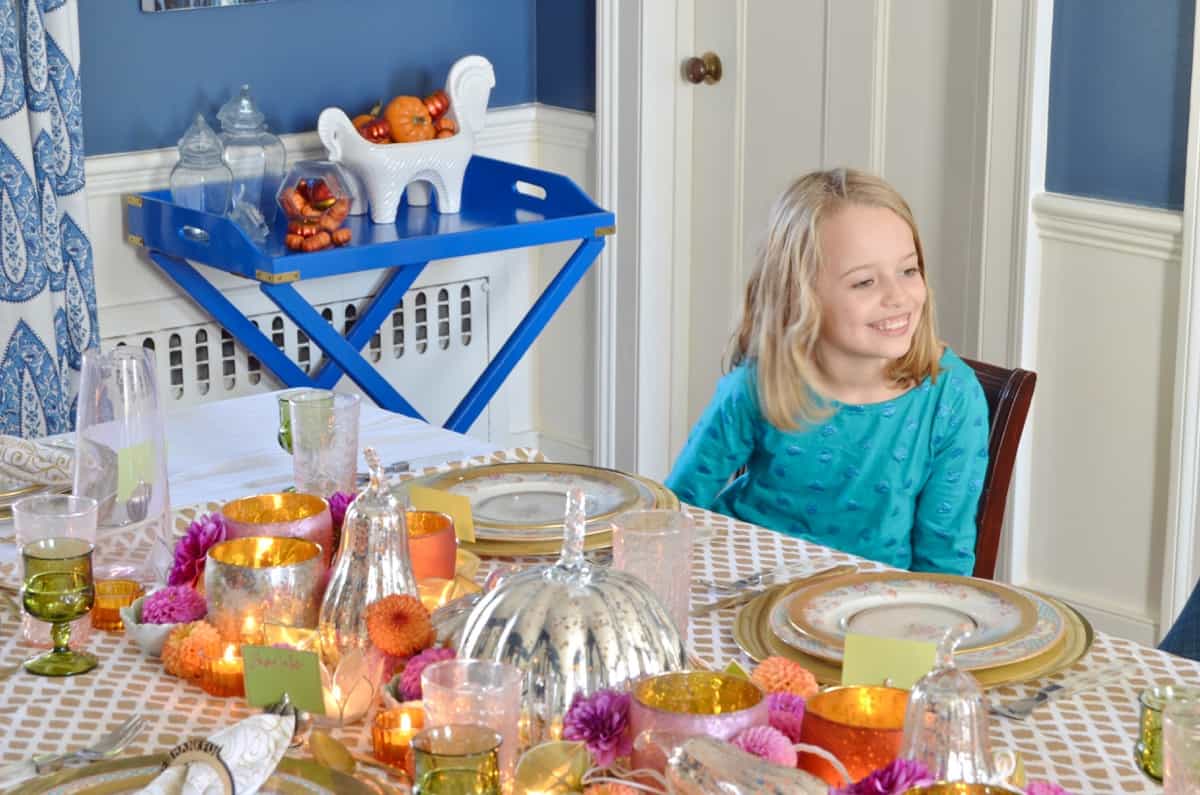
{"x":149,"y":637}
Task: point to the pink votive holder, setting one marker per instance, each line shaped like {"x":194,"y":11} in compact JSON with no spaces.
{"x":682,"y":704}
{"x":432,"y":544}
{"x":284,"y":515}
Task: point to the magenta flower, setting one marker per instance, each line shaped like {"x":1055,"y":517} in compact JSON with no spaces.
{"x":175,"y":604}
{"x":900,"y":776}
{"x":766,"y":743}
{"x":787,"y":713}
{"x":192,"y":549}
{"x":1044,"y":788}
{"x":410,"y":680}
{"x":339,"y":501}
{"x":601,"y":722}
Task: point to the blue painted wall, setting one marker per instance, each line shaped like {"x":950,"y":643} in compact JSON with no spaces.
{"x":146,"y":75}
{"x":1120,"y":76}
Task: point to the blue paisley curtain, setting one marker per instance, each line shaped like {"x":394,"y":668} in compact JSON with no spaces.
{"x":47,"y":285}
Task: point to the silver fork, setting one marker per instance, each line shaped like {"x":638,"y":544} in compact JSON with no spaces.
{"x":107,"y":746}
{"x":1022,"y":708}
{"x":758,"y":578}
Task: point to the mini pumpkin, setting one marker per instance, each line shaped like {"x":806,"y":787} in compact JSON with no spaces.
{"x":409,"y":120}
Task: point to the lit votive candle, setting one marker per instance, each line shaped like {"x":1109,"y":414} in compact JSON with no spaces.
{"x":391,"y":736}
{"x":432,"y":544}
{"x":344,"y":707}
{"x":251,"y":632}
{"x":224,"y":676}
{"x":111,"y":596}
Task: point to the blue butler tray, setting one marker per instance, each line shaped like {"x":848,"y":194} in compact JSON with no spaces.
{"x":504,"y":206}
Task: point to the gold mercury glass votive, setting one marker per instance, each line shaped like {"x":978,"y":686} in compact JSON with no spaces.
{"x":286,"y":515}
{"x":861,"y":726}
{"x":961,"y":788}
{"x":111,"y":596}
{"x":250,"y":582}
{"x":690,"y":704}
{"x":393,"y":731}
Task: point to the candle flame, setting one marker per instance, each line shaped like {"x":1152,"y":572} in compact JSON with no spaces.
{"x":231,"y":653}
{"x":405,"y":722}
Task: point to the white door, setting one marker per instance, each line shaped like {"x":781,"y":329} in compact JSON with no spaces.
{"x":900,"y":89}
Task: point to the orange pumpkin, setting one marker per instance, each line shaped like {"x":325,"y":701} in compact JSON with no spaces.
{"x":409,"y":120}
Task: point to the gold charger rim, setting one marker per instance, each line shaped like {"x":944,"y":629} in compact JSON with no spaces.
{"x":665,"y":499}
{"x":306,"y":769}
{"x":1026,"y":606}
{"x":752,"y":635}
{"x":614,"y":477}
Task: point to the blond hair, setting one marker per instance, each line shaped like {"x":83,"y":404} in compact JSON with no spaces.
{"x":781,"y":316}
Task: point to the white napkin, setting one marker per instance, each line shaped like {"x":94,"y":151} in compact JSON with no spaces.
{"x":251,"y":751}
{"x":35,"y":462}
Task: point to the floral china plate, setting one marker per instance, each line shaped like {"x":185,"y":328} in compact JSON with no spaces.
{"x":526,"y":501}
{"x":912,"y":606}
{"x":1045,"y":633}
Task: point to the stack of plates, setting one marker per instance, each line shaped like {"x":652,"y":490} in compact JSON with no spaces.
{"x":518,"y":508}
{"x":1017,"y":635}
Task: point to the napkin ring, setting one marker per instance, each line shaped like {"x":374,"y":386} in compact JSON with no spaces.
{"x":202,"y":752}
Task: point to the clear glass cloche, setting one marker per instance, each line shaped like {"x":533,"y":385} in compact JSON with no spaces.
{"x":201,"y":180}
{"x":256,"y":157}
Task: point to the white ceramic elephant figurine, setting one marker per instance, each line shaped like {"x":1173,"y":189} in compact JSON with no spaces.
{"x":386,"y":170}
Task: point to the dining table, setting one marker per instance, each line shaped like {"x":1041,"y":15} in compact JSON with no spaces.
{"x":221,"y":451}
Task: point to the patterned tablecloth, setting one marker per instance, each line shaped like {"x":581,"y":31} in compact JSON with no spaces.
{"x":1084,"y":742}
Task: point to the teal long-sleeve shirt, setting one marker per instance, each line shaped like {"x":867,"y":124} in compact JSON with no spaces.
{"x":897,"y":482}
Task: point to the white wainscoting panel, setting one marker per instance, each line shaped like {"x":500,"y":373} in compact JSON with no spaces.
{"x":1101,"y":420}
{"x":134,"y":296}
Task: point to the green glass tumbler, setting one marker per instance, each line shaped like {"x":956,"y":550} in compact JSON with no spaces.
{"x":1148,"y":752}
{"x":456,"y":759}
{"x":58,"y":589}
{"x":322,"y":398}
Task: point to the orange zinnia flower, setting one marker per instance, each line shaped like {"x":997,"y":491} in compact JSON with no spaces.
{"x":399,"y":625}
{"x":781,"y":675}
{"x":188,"y":649}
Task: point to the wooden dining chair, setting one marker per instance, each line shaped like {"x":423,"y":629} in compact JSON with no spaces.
{"x":1008,"y":394}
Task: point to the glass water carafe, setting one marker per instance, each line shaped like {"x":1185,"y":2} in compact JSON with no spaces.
{"x":371,"y":563}
{"x":201,"y":180}
{"x":946,"y":724}
{"x":256,"y":157}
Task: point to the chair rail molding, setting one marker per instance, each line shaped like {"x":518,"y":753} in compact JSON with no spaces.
{"x":1182,"y":551}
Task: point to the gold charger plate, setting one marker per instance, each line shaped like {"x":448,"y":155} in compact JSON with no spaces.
{"x":506,"y":483}
{"x":664,"y":498}
{"x":752,"y":633}
{"x":826,"y":611}
{"x":116,"y":776}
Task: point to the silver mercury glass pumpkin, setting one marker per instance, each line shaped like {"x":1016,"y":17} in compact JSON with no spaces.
{"x":572,"y":628}
{"x":371,"y":562}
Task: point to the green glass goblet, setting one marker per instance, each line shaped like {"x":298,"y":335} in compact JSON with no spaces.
{"x":58,"y":589}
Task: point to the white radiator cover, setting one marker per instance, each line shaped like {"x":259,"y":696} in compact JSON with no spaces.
{"x":431,"y":347}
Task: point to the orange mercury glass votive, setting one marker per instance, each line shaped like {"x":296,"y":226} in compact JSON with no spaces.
{"x":432,"y":544}
{"x":392,"y":733}
{"x":861,"y":726}
{"x":224,"y":677}
{"x":111,"y":596}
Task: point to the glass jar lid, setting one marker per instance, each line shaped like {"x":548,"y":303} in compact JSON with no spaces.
{"x":240,"y":114}
{"x":200,"y":144}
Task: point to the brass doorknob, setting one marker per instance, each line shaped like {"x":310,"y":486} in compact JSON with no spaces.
{"x":704,"y":69}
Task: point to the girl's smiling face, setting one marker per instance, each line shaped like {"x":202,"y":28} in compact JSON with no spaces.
{"x":871,"y":291}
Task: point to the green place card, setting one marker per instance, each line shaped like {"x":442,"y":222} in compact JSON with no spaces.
{"x":871,"y":660}
{"x":134,"y":463}
{"x":456,"y":506}
{"x":271,"y":672}
{"x":733,"y":669}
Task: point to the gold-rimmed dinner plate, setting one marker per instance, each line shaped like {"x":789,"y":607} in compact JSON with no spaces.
{"x":598,"y":536}
{"x":913,"y":606}
{"x":529,"y":496}
{"x":753,"y":635}
{"x":1046,"y":632}
{"x":116,"y":776}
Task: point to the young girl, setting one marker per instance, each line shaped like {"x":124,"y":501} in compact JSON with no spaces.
{"x":857,"y":428}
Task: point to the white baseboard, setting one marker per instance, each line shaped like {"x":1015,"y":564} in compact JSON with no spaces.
{"x":1106,"y":617}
